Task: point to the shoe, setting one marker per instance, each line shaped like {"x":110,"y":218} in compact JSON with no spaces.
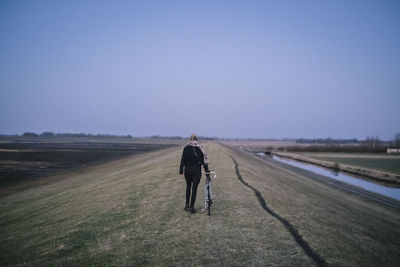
{"x":192,"y":210}
{"x":187,"y":207}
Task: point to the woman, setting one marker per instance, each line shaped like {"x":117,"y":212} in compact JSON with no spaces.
{"x":193,"y":156}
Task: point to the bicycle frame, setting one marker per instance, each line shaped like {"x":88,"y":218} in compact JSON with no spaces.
{"x":208,"y":192}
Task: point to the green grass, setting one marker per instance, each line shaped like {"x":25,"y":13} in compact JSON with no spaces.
{"x":382,"y":162}
{"x":130,"y":212}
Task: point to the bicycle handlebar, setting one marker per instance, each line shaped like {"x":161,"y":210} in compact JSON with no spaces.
{"x":212,"y":172}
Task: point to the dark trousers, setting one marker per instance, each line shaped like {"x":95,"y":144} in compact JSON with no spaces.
{"x":192,"y":178}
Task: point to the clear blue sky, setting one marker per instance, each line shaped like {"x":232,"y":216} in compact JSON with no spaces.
{"x":268,"y":69}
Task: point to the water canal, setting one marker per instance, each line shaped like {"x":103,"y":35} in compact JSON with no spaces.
{"x":344,"y":177}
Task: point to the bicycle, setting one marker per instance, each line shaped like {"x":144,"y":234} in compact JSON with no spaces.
{"x":208,"y":192}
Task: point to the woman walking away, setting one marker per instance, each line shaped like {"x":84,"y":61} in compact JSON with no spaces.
{"x":193,"y":156}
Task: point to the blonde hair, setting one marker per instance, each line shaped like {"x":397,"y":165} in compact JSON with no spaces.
{"x":193,"y":137}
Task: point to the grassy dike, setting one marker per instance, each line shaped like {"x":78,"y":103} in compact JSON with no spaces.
{"x":130,"y":212}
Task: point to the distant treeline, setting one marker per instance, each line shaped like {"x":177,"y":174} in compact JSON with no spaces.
{"x":180,"y":137}
{"x":74,"y":135}
{"x":82,"y":135}
{"x":337,"y":148}
{"x":370,"y":145}
{"x":327,"y":141}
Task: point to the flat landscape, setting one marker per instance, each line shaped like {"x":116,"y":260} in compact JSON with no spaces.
{"x":296,"y":103}
{"x":129,"y":211}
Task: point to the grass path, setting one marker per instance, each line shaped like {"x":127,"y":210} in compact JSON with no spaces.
{"x":130,"y":212}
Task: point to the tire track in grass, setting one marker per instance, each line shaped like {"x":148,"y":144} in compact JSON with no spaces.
{"x":319,"y":261}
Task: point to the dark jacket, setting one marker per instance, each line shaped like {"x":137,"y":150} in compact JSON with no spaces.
{"x":190,"y":161}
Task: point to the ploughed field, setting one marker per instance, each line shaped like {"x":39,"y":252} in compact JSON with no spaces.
{"x":383,"y":162}
{"x":130,"y":212}
{"x":23,"y":163}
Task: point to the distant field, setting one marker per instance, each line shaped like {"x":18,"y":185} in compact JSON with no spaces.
{"x":23,"y":160}
{"x":383,"y":162}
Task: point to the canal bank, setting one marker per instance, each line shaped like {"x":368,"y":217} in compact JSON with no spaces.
{"x":391,"y":199}
{"x":375,"y":176}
